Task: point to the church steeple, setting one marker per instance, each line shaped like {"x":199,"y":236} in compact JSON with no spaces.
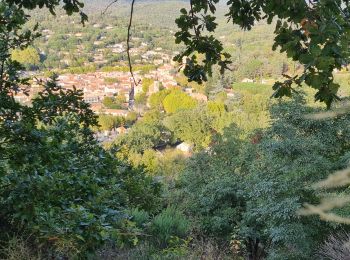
{"x":132,"y":96}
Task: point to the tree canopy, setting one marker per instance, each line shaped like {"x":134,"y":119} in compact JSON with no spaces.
{"x":177,"y":100}
{"x":314,"y":33}
{"x":29,"y":57}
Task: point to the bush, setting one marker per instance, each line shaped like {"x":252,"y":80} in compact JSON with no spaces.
{"x":336,"y":247}
{"x":209,"y":190}
{"x":168,"y":224}
{"x":75,"y":198}
{"x":59,"y":185}
{"x":72,"y":195}
{"x":17,"y":249}
{"x":140,"y":217}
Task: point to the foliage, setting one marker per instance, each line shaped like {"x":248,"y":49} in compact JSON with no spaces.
{"x":29,"y":57}
{"x":303,"y":31}
{"x":111,"y":80}
{"x":65,"y":189}
{"x":250,"y":110}
{"x":141,"y":99}
{"x":69,"y":7}
{"x":243,"y":187}
{"x":142,"y":68}
{"x":210,"y":188}
{"x":114,"y":102}
{"x":253,"y":189}
{"x":252,"y":88}
{"x":182,"y":80}
{"x":191,"y":126}
{"x":197,"y":126}
{"x":220,"y":118}
{"x":67,"y":47}
{"x":168,"y":224}
{"x":177,"y":100}
{"x":335,"y":247}
{"x":156,"y":99}
{"x":108,"y":122}
{"x":146,"y":83}
{"x":17,"y":248}
{"x":58,"y":185}
{"x":131,"y":118}
{"x":140,"y":138}
{"x":252,"y":69}
{"x":171,"y":164}
{"x":140,"y":217}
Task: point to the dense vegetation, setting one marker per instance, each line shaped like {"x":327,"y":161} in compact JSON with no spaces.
{"x":237,"y":192}
{"x":314,"y":33}
{"x":66,"y":46}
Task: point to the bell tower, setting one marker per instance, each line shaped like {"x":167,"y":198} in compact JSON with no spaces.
{"x":132,"y":97}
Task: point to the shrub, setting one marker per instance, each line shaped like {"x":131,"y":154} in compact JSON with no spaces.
{"x":58,"y":184}
{"x":209,"y":189}
{"x":168,"y":224}
{"x":70,"y":196}
{"x":17,"y":249}
{"x":140,"y":217}
{"x":336,"y":247}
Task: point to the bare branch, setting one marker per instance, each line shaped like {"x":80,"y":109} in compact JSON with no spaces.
{"x":128,"y":43}
{"x":108,"y":6}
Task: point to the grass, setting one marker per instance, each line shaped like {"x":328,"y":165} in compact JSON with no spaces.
{"x":19,"y":249}
{"x":253,"y":88}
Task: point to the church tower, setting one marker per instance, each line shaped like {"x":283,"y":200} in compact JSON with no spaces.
{"x":132,"y":97}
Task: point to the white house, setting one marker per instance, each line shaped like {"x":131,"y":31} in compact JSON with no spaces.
{"x":185,"y":147}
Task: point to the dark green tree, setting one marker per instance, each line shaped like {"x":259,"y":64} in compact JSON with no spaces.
{"x":57,"y":184}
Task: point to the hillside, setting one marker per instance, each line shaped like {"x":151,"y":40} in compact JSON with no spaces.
{"x":111,"y":151}
{"x":67,"y":44}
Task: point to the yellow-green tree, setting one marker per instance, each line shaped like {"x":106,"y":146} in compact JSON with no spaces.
{"x":106,"y":122}
{"x":146,"y":83}
{"x":28,"y":57}
{"x":156,"y":99}
{"x":178,"y":100}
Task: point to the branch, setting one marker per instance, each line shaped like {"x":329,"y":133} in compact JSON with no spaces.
{"x":128,"y":42}
{"x":193,"y":18}
{"x":108,"y":6}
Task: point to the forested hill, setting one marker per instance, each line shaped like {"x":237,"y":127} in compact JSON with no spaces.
{"x":160,"y":13}
{"x":154,"y":24}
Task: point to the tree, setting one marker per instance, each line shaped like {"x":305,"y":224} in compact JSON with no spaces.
{"x":106,"y":122}
{"x":131,"y":118}
{"x":114,"y":103}
{"x":182,"y":80}
{"x":141,"y":99}
{"x":192,"y":126}
{"x":285,"y":160}
{"x":250,"y":191}
{"x":220,"y":118}
{"x":146,"y":83}
{"x":209,"y":188}
{"x":314,"y":33}
{"x":108,"y":101}
{"x":140,"y":138}
{"x":156,"y":99}
{"x":58,"y":185}
{"x":252,"y":69}
{"x":178,"y":100}
{"x":29,"y":57}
